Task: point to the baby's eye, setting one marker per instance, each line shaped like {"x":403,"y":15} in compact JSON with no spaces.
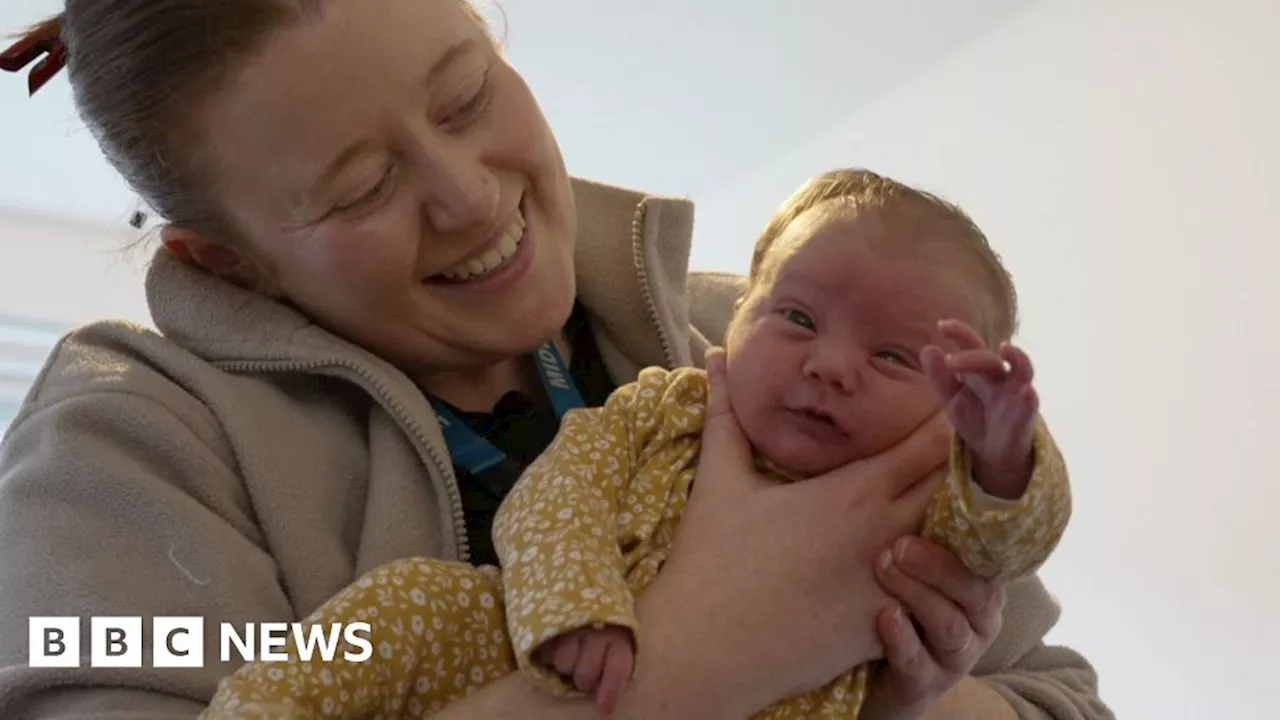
{"x":894,"y":356}
{"x":801,"y":318}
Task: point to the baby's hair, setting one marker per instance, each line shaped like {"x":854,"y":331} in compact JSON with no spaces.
{"x":859,"y":190}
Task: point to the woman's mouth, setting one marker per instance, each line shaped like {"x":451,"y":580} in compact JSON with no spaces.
{"x":491,"y":261}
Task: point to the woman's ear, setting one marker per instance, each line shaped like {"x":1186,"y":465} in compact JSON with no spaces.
{"x":218,"y":258}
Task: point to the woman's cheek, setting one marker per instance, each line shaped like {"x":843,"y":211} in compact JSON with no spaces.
{"x":381,"y":250}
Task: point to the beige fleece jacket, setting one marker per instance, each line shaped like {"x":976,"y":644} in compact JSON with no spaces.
{"x":245,"y":465}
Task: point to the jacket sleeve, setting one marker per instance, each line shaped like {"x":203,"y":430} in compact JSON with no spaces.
{"x":1040,"y":681}
{"x":1051,"y":683}
{"x":114,"y":502}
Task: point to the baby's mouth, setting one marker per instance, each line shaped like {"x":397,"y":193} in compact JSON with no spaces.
{"x":819,"y":416}
{"x":819,"y":421}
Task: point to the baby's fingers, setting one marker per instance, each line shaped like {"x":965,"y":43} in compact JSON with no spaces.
{"x":961,"y":334}
{"x":934,"y":361}
{"x":976,"y":362}
{"x":564,"y":653}
{"x":618,"y":661}
{"x":1019,"y":363}
{"x":586,"y":676}
{"x":1028,"y":405}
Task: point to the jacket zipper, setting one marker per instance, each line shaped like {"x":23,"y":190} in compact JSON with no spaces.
{"x":637,"y":253}
{"x":388,"y":400}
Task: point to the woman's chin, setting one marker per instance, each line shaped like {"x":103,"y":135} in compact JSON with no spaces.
{"x":520,"y":333}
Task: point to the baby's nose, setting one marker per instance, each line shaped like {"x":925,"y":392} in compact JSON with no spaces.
{"x":842,"y":371}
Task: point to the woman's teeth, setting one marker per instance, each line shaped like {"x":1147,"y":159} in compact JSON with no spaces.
{"x":494,"y":258}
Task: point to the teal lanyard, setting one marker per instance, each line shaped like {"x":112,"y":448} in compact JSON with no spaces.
{"x":476,"y":454}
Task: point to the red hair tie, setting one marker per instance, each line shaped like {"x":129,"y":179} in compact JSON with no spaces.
{"x":44,"y":40}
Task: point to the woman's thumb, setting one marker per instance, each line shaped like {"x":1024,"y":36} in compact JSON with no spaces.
{"x":725,"y":449}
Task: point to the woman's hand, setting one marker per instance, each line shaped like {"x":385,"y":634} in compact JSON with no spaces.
{"x":956,"y":617}
{"x":770,"y":589}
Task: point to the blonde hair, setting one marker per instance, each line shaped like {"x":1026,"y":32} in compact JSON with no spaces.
{"x":859,"y":190}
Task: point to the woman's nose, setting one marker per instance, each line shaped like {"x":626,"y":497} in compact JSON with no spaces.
{"x":461,"y":192}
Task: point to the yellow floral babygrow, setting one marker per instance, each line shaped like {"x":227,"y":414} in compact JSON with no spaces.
{"x":580,"y":536}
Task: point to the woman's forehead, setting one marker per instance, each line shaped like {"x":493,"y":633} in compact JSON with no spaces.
{"x":332,"y":83}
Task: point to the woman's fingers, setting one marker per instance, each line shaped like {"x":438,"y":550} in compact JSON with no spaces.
{"x":903,"y":467}
{"x":932,"y":565}
{"x":914,"y":460}
{"x":903,"y":649}
{"x":945,"y":625}
{"x":911,"y":506}
{"x":726,"y":452}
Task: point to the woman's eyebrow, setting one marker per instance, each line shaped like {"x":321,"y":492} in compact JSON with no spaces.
{"x":448,"y":57}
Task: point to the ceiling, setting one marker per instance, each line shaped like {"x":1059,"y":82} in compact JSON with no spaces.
{"x":674,"y":96}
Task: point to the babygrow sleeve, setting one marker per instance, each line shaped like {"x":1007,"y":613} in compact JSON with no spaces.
{"x":560,"y":532}
{"x":1003,"y":539}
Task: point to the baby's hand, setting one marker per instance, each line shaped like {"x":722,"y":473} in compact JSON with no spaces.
{"x":991,"y":406}
{"x":596,"y":660}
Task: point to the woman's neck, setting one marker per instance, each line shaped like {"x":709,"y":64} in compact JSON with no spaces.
{"x":479,"y":389}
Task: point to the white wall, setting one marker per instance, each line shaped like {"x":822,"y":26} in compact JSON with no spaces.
{"x":56,"y":274}
{"x":64,"y":273}
{"x":1124,"y":158}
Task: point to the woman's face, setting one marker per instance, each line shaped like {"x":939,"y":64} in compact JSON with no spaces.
{"x":395,"y":179}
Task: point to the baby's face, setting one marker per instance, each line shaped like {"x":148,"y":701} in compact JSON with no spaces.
{"x":824,"y":353}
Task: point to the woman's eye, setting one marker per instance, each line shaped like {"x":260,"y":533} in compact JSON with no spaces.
{"x":471,"y":107}
{"x":371,"y":196}
{"x":801,"y":318}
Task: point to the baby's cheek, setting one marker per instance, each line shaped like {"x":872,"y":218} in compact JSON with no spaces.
{"x":906,"y":413}
{"x":751,"y":393}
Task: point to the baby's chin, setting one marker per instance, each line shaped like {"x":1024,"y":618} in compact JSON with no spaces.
{"x":801,"y":461}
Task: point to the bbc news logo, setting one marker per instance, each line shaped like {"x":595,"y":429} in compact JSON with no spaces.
{"x":178,"y":642}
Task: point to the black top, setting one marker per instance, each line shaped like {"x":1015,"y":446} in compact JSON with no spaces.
{"x":522,"y":427}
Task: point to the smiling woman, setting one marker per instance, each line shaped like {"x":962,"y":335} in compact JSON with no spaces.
{"x":370,"y":237}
